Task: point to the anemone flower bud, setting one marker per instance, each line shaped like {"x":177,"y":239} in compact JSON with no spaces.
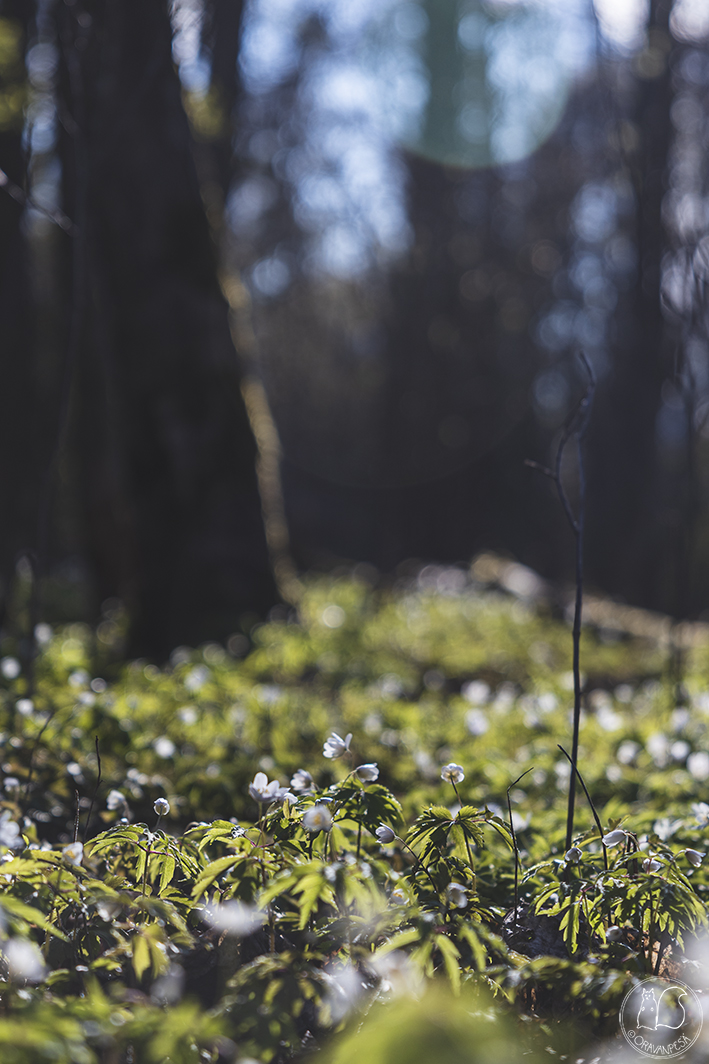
{"x":161,"y":806}
{"x":368,"y":773}
{"x":385,"y":834}
{"x":695,"y":857}
{"x":574,"y":855}
{"x":452,"y":773}
{"x":614,"y":934}
{"x":614,"y":838}
{"x":651,"y":865}
{"x":317,"y":818}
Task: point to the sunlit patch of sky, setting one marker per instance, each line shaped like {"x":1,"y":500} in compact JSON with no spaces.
{"x":622,"y":22}
{"x":369,"y":89}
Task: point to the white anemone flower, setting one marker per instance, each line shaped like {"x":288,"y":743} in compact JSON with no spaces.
{"x":614,"y":934}
{"x":302,"y":782}
{"x":161,"y":806}
{"x":344,"y":990}
{"x":399,"y":976}
{"x":10,"y":834}
{"x":452,"y":773}
{"x":368,"y":773}
{"x":650,"y":864}
{"x":73,"y":853}
{"x":317,"y":818}
{"x":385,"y":834}
{"x":335,"y":746}
{"x":614,"y":838}
{"x":23,"y":960}
{"x":115,"y":800}
{"x":701,"y":812}
{"x":574,"y":855}
{"x":695,"y":857}
{"x":456,"y":895}
{"x":263,"y":791}
{"x":235,"y":918}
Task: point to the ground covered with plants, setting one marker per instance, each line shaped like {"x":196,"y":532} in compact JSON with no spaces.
{"x":344,"y":834}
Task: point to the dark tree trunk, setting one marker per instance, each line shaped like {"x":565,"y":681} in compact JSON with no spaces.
{"x":622,"y":438}
{"x":167,"y":456}
{"x":18,"y":443}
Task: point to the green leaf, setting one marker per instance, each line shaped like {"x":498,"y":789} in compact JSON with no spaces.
{"x":212,"y":871}
{"x":141,"y":955}
{"x":451,"y":955}
{"x":167,"y":872}
{"x":33,"y":916}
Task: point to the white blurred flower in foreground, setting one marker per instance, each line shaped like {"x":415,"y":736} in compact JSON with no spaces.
{"x":263,"y":791}
{"x":385,"y":834}
{"x":614,"y":838}
{"x":115,"y":800}
{"x":235,"y":918}
{"x":614,"y":934}
{"x":167,"y":989}
{"x":23,"y":960}
{"x":335,"y":746}
{"x":452,"y":773}
{"x":368,"y":773}
{"x":701,"y":812}
{"x":398,"y":896}
{"x":10,"y":668}
{"x":397,"y":973}
{"x":345,"y":988}
{"x":318,"y":818}
{"x":73,"y":853}
{"x":10,"y":833}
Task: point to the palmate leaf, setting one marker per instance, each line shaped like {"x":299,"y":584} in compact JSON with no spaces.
{"x":127,"y":834}
{"x":218,"y":831}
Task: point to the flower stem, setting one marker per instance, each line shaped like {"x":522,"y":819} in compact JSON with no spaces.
{"x":465,"y":836}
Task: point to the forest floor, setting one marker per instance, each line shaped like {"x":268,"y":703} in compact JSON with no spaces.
{"x":344,"y":833}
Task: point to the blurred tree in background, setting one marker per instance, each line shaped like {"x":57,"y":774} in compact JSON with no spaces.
{"x":418,"y":212}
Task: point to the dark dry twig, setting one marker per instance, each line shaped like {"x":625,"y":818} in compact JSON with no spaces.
{"x":514,"y":840}
{"x":20,"y":196}
{"x":590,"y":802}
{"x":93,"y":796}
{"x":77,"y":814}
{"x":575,"y":425}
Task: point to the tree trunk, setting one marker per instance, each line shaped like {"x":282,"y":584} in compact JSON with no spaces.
{"x":167,"y":456}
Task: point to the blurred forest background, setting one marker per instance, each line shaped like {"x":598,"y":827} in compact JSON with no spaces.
{"x":373,"y":236}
